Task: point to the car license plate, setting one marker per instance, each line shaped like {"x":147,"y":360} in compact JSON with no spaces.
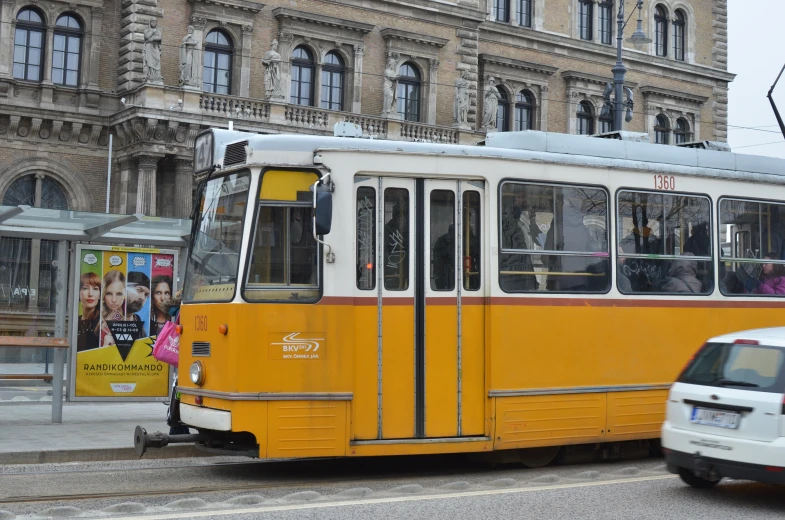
{"x":715,"y":418}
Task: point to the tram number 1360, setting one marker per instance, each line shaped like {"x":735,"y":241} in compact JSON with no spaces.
{"x":664,"y":182}
{"x":200,"y":322}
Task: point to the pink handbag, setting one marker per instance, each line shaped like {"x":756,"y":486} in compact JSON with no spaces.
{"x":167,"y":344}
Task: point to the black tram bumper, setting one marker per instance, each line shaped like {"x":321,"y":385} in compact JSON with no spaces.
{"x":714,"y":469}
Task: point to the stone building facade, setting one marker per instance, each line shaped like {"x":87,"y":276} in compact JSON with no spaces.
{"x":152,"y":73}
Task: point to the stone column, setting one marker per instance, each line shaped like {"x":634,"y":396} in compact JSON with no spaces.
{"x":92,"y":45}
{"x":317,"y":85}
{"x":47,"y":61}
{"x":544,"y":90}
{"x":123,"y":186}
{"x":245,"y":62}
{"x":357,"y":77}
{"x":183,"y":186}
{"x":146,"y":184}
{"x":432,"y":82}
{"x":7,"y":27}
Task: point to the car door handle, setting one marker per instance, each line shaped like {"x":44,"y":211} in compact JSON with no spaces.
{"x":719,"y":406}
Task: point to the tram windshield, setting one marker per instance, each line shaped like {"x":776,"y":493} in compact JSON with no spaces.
{"x":211,"y":273}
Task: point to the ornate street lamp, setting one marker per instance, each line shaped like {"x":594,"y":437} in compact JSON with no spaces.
{"x":639,"y":40}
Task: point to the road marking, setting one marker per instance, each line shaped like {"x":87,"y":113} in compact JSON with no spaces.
{"x":386,"y":500}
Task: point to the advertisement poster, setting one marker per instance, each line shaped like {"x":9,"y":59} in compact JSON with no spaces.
{"x":121,"y":304}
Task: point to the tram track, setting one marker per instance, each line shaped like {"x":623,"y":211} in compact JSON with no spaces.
{"x":217,"y":489}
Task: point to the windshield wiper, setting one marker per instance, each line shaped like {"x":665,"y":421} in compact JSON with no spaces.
{"x":731,"y":382}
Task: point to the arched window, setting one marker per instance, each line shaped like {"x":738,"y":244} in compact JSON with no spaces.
{"x":679,"y":39}
{"x":217,"y":77}
{"x":585,"y":19}
{"x":17,"y":257}
{"x":29,"y":45}
{"x":409,"y":92}
{"x":682,"y":131}
{"x":606,"y":21}
{"x":503,"y":112}
{"x":524,"y":110}
{"x":332,"y":82}
{"x":67,"y":50}
{"x":585,"y":118}
{"x":525,"y":13}
{"x":661,"y":31}
{"x":501,"y":10}
{"x":606,"y":121}
{"x":302,"y":77}
{"x":22,"y":192}
{"x":662,"y":130}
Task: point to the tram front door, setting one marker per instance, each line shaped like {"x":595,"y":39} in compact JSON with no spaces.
{"x":426,"y":237}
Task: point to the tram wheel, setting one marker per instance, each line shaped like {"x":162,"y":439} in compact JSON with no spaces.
{"x":538,"y":457}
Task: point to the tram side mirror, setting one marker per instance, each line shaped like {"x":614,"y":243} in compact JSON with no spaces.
{"x":324,"y":212}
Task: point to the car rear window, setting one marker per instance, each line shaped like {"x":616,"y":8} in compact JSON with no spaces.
{"x":733,"y":365}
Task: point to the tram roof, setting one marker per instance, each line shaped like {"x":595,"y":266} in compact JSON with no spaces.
{"x":549,"y":147}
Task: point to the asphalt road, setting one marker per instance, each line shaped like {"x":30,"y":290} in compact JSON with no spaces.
{"x":432,"y":488}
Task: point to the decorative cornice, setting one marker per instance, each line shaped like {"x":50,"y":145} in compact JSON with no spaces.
{"x":572,"y":75}
{"x":673,"y":94}
{"x":518,"y":64}
{"x":571,"y":47}
{"x":240,"y":5}
{"x":283,"y":13}
{"x":423,"y":39}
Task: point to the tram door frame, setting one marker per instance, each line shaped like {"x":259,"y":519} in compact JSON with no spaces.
{"x":431,"y":354}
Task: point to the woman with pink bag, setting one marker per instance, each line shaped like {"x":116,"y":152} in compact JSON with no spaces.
{"x":170,"y":340}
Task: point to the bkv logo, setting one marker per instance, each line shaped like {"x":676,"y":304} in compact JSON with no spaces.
{"x":295,"y":346}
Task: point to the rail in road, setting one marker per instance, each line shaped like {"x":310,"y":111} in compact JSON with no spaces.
{"x":184,"y":490}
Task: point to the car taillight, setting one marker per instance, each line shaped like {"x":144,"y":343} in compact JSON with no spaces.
{"x":746,"y":342}
{"x":783,"y":405}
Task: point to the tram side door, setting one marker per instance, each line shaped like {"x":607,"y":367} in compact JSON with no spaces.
{"x":450,"y":294}
{"x":420,"y":330}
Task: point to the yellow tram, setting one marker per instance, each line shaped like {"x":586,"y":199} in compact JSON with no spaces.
{"x":540,"y":291}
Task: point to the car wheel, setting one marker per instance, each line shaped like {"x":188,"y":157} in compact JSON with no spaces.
{"x":689,"y":477}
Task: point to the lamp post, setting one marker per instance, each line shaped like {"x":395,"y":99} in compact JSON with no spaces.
{"x":638,"y":39}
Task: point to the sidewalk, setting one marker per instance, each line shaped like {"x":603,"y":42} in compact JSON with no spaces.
{"x":89,"y":432}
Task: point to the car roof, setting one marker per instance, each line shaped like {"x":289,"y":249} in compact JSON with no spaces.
{"x":773,"y":336}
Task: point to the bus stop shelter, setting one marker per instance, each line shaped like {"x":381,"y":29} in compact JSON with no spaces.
{"x":68,"y":228}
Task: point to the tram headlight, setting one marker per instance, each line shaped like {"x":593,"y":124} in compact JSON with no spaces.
{"x":197,"y":373}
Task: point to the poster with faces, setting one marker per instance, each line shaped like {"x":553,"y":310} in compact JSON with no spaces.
{"x":123,"y":301}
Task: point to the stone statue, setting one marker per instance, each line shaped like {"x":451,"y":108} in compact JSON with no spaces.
{"x":390,"y":109}
{"x":151,"y":53}
{"x":491,"y":103}
{"x":460,"y":106}
{"x":272,"y":73}
{"x":189,"y":59}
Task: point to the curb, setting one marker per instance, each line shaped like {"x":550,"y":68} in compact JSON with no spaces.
{"x":98,"y":455}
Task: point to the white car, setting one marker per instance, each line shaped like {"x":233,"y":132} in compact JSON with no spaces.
{"x":725,"y":415}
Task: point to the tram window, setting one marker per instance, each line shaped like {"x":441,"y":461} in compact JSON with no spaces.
{"x":752,"y":248}
{"x":664,"y":244}
{"x":396,"y":239}
{"x":284,"y":257}
{"x":442,"y":210}
{"x":472,"y":274}
{"x":553,"y":238}
{"x":366,"y":238}
{"x":215,"y":251}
